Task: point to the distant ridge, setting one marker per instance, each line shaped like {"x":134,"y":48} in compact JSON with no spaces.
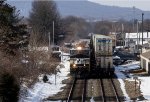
{"x":86,"y":9}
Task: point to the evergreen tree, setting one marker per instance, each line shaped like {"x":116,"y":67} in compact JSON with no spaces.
{"x":9,"y":88}
{"x":13,"y":37}
{"x":12,"y":34}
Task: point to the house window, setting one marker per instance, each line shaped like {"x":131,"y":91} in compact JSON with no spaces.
{"x":131,"y":40}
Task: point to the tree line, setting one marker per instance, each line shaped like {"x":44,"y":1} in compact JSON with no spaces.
{"x":19,"y":63}
{"x":44,"y":13}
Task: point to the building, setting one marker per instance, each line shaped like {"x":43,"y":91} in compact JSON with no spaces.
{"x":145,"y":61}
{"x":113,"y":36}
{"x":132,"y":39}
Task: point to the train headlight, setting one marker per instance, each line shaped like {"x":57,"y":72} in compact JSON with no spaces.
{"x":79,"y":48}
{"x":74,"y":65}
{"x":84,"y":65}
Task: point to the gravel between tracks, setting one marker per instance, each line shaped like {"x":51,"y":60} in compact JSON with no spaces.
{"x":93,"y":90}
{"x":78,"y":90}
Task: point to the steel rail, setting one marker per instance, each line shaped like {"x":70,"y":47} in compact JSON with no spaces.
{"x":102,"y":91}
{"x":84,"y":91}
{"x":71,"y":90}
{"x":115,"y":90}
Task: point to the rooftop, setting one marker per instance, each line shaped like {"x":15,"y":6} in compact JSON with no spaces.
{"x":146,"y":54}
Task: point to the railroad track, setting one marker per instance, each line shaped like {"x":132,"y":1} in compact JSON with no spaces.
{"x":109,"y":91}
{"x":77,"y":91}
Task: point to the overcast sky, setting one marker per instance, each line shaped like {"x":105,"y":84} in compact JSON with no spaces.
{"x":141,"y":4}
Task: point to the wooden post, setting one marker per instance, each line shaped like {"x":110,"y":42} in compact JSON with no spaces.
{"x":55,"y":76}
{"x":136,"y":78}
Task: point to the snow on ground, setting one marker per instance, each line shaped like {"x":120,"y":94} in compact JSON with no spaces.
{"x":129,"y":66}
{"x":145,"y":81}
{"x":121,"y":76}
{"x":43,"y":90}
{"x":145,"y":87}
{"x":92,"y":100}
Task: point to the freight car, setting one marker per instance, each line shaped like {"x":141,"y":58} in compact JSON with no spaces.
{"x":101,"y":61}
{"x":79,"y":60}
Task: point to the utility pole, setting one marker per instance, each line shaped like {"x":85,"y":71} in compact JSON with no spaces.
{"x":123,"y":37}
{"x":147,"y":36}
{"x":53,"y":45}
{"x":49,"y":37}
{"x":137,"y":35}
{"x":133,"y":18}
{"x":53,"y":32}
{"x":142,"y":31}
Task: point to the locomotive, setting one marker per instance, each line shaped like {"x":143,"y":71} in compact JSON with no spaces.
{"x":79,"y":60}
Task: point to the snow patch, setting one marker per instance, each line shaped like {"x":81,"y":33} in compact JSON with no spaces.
{"x":54,"y":84}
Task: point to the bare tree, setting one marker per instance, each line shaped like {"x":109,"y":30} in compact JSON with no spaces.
{"x":41,"y":19}
{"x":76,"y":27}
{"x":102,"y":27}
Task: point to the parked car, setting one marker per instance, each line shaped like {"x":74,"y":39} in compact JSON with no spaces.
{"x":124,"y":55}
{"x":117,"y":60}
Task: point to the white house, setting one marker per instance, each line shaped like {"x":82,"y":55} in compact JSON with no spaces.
{"x":145,"y":61}
{"x":132,"y":39}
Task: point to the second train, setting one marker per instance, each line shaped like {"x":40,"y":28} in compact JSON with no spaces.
{"x":94,"y":60}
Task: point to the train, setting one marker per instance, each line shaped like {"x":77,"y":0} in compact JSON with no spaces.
{"x":79,"y":60}
{"x":96,"y":59}
{"x":101,"y":52}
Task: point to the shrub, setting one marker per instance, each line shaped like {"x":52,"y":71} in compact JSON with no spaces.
{"x":9,"y":88}
{"x":45,"y":78}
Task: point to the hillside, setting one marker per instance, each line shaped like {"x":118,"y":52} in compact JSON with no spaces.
{"x":86,"y":9}
{"x":90,"y":10}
